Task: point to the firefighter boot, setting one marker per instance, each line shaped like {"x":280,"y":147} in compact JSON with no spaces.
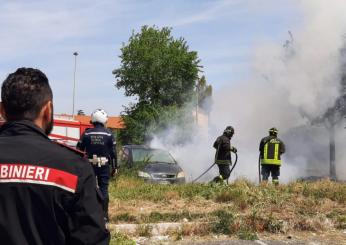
{"x":275,"y":182}
{"x":218,"y":179}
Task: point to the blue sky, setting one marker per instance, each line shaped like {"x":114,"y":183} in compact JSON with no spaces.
{"x":44,"y":34}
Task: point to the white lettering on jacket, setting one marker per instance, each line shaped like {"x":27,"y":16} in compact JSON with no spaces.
{"x":23,"y":172}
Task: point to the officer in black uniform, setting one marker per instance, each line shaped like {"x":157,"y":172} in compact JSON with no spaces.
{"x":223,"y":154}
{"x":271,"y":148}
{"x":99,"y":144}
{"x":47,"y":191}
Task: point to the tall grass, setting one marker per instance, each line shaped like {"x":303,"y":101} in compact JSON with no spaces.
{"x":241,"y":208}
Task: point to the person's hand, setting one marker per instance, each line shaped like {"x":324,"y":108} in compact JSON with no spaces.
{"x":114,"y":172}
{"x":234,"y":149}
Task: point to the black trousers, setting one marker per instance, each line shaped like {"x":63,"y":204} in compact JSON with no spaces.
{"x":102,"y":175}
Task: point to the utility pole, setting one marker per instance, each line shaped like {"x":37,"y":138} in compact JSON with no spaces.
{"x":332,"y":169}
{"x":74,"y":82}
{"x":331,"y":130}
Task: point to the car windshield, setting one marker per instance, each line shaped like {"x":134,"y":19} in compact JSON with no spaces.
{"x":152,"y":156}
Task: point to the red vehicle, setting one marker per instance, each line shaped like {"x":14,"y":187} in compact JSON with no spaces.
{"x":66,"y":130}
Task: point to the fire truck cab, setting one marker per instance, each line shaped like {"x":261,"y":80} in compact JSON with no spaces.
{"x":66,"y":130}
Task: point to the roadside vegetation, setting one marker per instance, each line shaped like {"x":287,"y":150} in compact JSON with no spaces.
{"x":241,"y":209}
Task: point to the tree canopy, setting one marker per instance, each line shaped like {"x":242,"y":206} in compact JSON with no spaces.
{"x":157,"y":68}
{"x":80,"y":113}
{"x":161,"y":72}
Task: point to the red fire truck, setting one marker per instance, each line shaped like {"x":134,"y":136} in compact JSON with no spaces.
{"x":66,"y":130}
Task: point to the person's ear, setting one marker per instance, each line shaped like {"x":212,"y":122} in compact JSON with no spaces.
{"x":2,"y":111}
{"x":47,"y":111}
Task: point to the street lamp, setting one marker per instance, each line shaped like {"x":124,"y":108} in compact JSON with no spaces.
{"x":74,"y":82}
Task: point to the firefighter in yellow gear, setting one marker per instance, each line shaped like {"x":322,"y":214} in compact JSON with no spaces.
{"x":271,"y":148}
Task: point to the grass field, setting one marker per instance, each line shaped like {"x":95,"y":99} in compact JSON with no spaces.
{"x":241,"y":209}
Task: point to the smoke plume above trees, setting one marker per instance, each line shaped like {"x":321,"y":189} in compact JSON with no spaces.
{"x":290,"y":86}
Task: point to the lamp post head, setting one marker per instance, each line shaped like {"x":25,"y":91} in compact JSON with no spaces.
{"x":75,"y":53}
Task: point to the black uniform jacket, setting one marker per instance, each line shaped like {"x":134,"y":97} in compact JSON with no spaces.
{"x":98,"y":141}
{"x":47,"y":192}
{"x":223,"y":148}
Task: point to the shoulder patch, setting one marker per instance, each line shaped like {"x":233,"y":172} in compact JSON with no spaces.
{"x":274,"y":141}
{"x":70,"y":148}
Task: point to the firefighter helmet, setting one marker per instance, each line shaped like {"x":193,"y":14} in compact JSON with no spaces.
{"x":273,"y":131}
{"x":99,"y":116}
{"x":229,"y":131}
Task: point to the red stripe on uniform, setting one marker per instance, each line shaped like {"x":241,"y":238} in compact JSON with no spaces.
{"x":24,"y":173}
{"x":63,"y":178}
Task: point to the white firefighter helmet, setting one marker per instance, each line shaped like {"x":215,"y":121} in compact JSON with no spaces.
{"x":99,"y":116}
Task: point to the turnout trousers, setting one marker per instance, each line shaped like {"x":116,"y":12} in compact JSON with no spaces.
{"x":270,"y":169}
{"x":224,"y":171}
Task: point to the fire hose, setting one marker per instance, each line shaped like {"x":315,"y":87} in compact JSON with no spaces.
{"x":206,"y":171}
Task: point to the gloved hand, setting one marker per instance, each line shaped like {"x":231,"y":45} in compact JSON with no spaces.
{"x":114,"y":172}
{"x":233,"y":149}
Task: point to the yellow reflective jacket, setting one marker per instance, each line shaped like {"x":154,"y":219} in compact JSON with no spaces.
{"x":271,"y":149}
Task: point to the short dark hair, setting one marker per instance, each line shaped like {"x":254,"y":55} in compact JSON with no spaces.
{"x":24,"y":92}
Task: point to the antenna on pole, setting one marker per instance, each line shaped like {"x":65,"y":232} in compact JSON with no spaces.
{"x":74,"y":82}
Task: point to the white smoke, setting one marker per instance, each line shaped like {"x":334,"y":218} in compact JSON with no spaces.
{"x":289,"y":85}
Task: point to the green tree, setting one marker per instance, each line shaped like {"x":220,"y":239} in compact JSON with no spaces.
{"x":157,"y":68}
{"x":80,"y":113}
{"x":161,"y":72}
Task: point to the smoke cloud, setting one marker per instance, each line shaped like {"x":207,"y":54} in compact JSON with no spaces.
{"x":290,"y":86}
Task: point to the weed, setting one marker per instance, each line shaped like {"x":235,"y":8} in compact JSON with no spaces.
{"x":274,"y":225}
{"x":155,"y":217}
{"x":126,"y":217}
{"x":305,"y":224}
{"x":254,"y":221}
{"x":172,"y":195}
{"x":195,"y":229}
{"x":178,"y":236}
{"x":341,"y":222}
{"x":245,"y":234}
{"x":144,"y":230}
{"x":120,"y":239}
{"x":335,"y":213}
{"x":237,"y":196}
{"x":224,"y":222}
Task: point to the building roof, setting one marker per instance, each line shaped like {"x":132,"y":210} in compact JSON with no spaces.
{"x":113,"y":122}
